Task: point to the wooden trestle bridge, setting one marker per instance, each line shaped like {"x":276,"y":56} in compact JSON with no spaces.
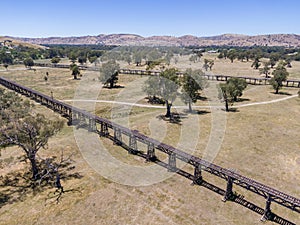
{"x":107,"y":128}
{"x":249,"y":80}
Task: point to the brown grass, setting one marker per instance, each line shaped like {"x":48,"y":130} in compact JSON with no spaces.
{"x":260,"y":142}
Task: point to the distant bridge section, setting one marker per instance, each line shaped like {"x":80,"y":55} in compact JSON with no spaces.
{"x":249,"y":80}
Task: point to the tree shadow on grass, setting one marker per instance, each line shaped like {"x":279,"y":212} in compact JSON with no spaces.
{"x":197,"y":112}
{"x":114,"y":87}
{"x":155,"y":100}
{"x":243,"y":100}
{"x":202,"y":98}
{"x":175,"y":118}
{"x":233,"y":110}
{"x":283,"y":93}
{"x":17,"y":186}
{"x":14,"y":187}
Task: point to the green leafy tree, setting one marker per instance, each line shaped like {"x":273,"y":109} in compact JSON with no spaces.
{"x":93,"y":59}
{"x":236,"y":87}
{"x":224,"y":95}
{"x":232,"y":90}
{"x":266,"y":69}
{"x":274,"y":58}
{"x":73,"y":57}
{"x":272,"y":63}
{"x":55,"y":60}
{"x":18,"y":126}
{"x":166,"y":86}
{"x":256,"y":63}
{"x":241,"y":56}
{"x":247,"y":55}
{"x":151,"y":65}
{"x":137,"y":56}
{"x":28,"y":62}
{"x":192,"y":83}
{"x":150,"y":88}
{"x":127,"y":57}
{"x":6,"y":58}
{"x":74,"y":70}
{"x":232,"y":54}
{"x":109,"y":73}
{"x":82,"y":59}
{"x":153,"y":56}
{"x":208,"y":63}
{"x":280,"y":74}
{"x":221,"y":55}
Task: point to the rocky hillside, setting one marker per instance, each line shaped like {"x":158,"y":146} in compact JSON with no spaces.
{"x":132,"y":39}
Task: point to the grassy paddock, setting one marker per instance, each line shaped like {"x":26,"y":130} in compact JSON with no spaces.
{"x":260,"y":141}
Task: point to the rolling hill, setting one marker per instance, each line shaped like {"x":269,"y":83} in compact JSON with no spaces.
{"x":12,"y":42}
{"x":287,"y":40}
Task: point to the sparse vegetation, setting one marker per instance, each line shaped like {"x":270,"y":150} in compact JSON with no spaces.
{"x":262,"y":152}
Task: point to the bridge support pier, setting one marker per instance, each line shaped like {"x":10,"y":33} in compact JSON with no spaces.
{"x":172,"y":162}
{"x":70,"y":118}
{"x":150,"y":153}
{"x":228,"y":193}
{"x":117,"y":136}
{"x":104,"y":130}
{"x":92,"y":125}
{"x":132,"y":145}
{"x":267,"y":214}
{"x":197,"y":175}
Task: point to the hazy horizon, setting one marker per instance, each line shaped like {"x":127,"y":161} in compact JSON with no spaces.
{"x":40,"y":19}
{"x":88,"y":35}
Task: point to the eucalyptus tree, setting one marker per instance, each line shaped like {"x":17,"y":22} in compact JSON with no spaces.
{"x":21,"y":127}
{"x":280,"y":75}
{"x":166,"y":86}
{"x":192,"y":83}
{"x":232,"y":90}
{"x":109,"y":73}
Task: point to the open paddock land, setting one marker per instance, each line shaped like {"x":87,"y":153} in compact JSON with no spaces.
{"x":237,"y":68}
{"x":220,"y":67}
{"x":260,"y":141}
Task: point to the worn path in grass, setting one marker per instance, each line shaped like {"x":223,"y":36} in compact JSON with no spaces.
{"x":184,"y":107}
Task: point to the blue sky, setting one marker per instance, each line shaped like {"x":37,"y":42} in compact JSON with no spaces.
{"x":47,"y":18}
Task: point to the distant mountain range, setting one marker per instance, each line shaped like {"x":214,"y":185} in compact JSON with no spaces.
{"x":287,"y":40}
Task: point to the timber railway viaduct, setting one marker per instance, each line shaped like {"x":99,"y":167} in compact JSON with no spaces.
{"x":249,"y":80}
{"x":107,"y":128}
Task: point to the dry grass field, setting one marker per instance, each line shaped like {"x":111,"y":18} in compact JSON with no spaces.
{"x":260,"y":141}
